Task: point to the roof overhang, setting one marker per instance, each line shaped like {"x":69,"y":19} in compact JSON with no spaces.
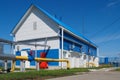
{"x":80,"y":38}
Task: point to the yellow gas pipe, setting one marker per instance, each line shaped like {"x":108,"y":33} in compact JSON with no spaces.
{"x":40,"y":59}
{"x":13,"y":66}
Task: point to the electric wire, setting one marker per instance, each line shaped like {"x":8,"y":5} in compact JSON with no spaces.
{"x":105,"y":28}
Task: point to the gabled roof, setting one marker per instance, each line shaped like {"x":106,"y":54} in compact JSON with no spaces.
{"x":62,"y":25}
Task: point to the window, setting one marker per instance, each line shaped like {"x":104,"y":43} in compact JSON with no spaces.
{"x":34,"y":25}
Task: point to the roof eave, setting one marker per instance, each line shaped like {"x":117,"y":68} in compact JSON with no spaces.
{"x":82,"y":39}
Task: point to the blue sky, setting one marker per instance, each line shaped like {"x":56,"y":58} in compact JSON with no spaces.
{"x":100,"y":19}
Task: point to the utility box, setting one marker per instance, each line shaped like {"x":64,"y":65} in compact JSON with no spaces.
{"x":1,"y":48}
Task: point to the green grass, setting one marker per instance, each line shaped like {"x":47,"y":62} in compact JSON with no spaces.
{"x":118,"y":69}
{"x":101,"y":66}
{"x":40,"y":74}
{"x":106,"y":66}
{"x":25,"y":69}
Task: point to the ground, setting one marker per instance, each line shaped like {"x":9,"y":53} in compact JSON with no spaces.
{"x":103,"y":74}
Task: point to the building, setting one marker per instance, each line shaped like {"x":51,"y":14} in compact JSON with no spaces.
{"x":39,"y":27}
{"x":1,"y":48}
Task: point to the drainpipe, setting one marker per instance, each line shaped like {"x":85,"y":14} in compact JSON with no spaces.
{"x":97,"y":52}
{"x":98,"y":55}
{"x":5,"y":67}
{"x":62,"y":40}
{"x":37,"y":63}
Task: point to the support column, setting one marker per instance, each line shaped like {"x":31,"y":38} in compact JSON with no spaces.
{"x":62,"y":40}
{"x":97,"y":52}
{"x":36,"y":55}
{"x":97,"y":63}
{"x":37,"y":67}
{"x":13,"y":66}
{"x":22,"y":66}
{"x":5,"y":66}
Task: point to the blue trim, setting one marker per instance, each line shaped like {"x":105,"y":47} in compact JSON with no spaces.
{"x":32,"y":63}
{"x":79,"y":46}
{"x":31,"y":57}
{"x":26,"y":49}
{"x":18,"y":53}
{"x":53,"y":53}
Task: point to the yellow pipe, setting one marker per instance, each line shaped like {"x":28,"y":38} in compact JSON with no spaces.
{"x":45,"y":59}
{"x":21,"y":58}
{"x":51,"y":60}
{"x":54,"y":60}
{"x":13,"y":66}
{"x":90,"y":63}
{"x":68,"y":65}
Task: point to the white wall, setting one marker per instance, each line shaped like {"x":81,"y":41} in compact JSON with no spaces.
{"x":53,"y":43}
{"x":45,"y":27}
{"x":80,"y":60}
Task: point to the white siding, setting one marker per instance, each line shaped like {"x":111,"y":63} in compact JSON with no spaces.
{"x":53,"y":43}
{"x":45,"y":27}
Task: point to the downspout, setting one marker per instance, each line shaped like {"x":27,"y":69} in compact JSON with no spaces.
{"x":97,"y":52}
{"x":62,"y":40}
{"x":98,"y":55}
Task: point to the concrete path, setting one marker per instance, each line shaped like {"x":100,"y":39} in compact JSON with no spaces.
{"x":103,"y":74}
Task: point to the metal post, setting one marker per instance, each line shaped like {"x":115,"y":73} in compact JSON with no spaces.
{"x":5,"y":67}
{"x":68,"y":65}
{"x":36,"y":54}
{"x":88,"y":55}
{"x":22,"y":67}
{"x":97,"y":52}
{"x":11,"y":52}
{"x":62,"y":40}
{"x":38,"y":66}
{"x":13,"y":66}
{"x":97,"y":56}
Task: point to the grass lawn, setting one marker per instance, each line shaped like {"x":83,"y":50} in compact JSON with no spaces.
{"x":118,"y":69}
{"x":41,"y":75}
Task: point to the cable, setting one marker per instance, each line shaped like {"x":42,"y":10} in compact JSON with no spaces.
{"x":105,"y":27}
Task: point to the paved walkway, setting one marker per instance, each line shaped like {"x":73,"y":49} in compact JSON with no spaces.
{"x":103,"y":74}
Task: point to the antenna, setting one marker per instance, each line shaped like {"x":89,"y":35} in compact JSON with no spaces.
{"x":55,"y":15}
{"x":61,"y":18}
{"x":83,"y":26}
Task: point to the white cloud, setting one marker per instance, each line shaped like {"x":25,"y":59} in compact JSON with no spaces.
{"x":107,"y":38}
{"x":113,"y":3}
